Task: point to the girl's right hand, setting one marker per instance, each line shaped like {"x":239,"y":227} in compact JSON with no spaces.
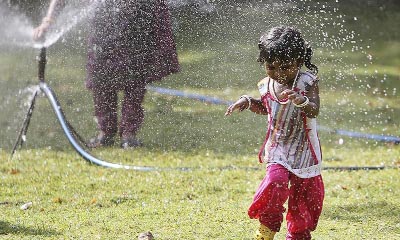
{"x":240,"y":105}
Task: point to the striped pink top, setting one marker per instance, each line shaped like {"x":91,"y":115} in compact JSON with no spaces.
{"x":291,"y":140}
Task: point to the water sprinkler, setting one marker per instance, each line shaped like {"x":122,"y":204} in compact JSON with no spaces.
{"x":42,"y":64}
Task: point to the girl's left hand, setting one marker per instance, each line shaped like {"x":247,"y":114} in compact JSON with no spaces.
{"x":292,"y":95}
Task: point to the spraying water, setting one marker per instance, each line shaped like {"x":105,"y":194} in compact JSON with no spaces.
{"x":221,"y":24}
{"x":16,"y":43}
{"x":68,"y":19}
{"x":17,"y":30}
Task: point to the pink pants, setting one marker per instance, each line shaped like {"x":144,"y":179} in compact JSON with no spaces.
{"x":305,"y":195}
{"x":132,"y":113}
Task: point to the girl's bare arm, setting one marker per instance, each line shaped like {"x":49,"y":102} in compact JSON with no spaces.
{"x":312,"y":108}
{"x":245,"y":102}
{"x":257,"y":107}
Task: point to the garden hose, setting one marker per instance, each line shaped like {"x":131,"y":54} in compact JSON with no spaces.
{"x":67,"y":128}
{"x":71,"y":134}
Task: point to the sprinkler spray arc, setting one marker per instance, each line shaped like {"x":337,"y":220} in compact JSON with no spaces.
{"x":67,"y":128}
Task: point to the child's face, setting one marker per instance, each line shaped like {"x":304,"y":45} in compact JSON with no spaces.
{"x":282,"y":72}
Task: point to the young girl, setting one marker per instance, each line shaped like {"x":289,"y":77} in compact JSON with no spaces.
{"x":291,"y":149}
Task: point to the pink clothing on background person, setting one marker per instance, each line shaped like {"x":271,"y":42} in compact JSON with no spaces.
{"x":106,"y":112}
{"x":130,"y":44}
{"x":130,"y":41}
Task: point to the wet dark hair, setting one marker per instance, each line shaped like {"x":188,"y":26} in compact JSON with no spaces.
{"x":285,"y":44}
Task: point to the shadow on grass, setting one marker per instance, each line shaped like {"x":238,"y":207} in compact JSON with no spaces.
{"x":358,"y":212}
{"x":8,"y":228}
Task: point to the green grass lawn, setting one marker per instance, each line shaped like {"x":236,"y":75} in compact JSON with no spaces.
{"x":208,"y":167}
{"x":72,"y":199}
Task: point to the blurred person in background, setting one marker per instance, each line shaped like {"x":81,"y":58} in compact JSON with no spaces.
{"x":130,"y":44}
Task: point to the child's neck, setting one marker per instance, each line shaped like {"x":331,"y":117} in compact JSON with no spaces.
{"x":290,"y":83}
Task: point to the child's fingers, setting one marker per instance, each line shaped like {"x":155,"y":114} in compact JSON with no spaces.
{"x":287,"y":92}
{"x":290,"y":94}
{"x":229,"y":110}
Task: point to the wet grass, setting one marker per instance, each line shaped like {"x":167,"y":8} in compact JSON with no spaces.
{"x":208,"y":198}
